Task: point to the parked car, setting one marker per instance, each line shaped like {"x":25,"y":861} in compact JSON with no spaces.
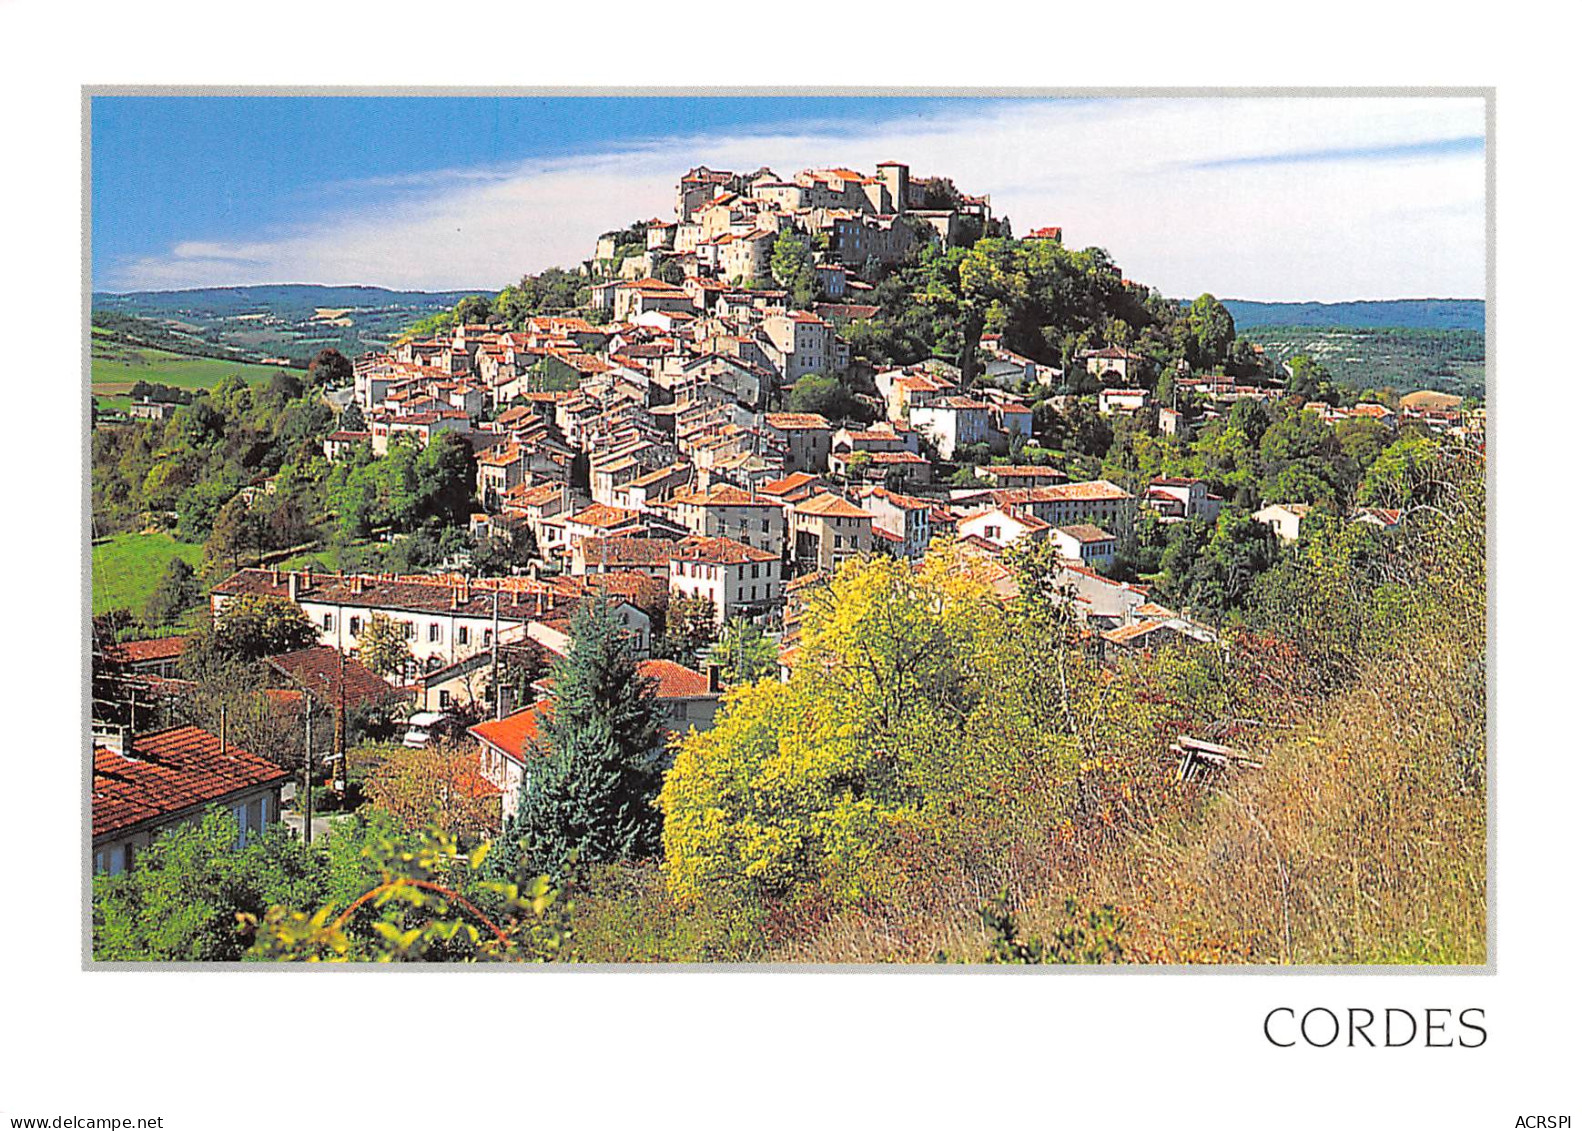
{"x":426,"y":726}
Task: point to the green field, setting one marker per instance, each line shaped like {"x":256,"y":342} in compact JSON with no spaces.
{"x":118,"y":366}
{"x":127,"y":567}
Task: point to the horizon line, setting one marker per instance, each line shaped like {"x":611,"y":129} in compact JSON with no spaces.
{"x":496,"y":290}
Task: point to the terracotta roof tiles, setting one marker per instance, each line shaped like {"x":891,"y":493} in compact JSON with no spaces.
{"x":320,"y":669}
{"x":673,"y":681}
{"x":723,"y":550}
{"x":145,"y":651}
{"x":831,"y":506}
{"x":517,"y":735}
{"x":170,"y":772}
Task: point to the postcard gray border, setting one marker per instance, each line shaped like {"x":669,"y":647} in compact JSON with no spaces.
{"x":1487,"y":93}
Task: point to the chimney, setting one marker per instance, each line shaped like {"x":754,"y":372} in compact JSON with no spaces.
{"x":274,"y":576}
{"x":357,"y":583}
{"x":291,"y":585}
{"x":716,"y":684}
{"x":455,"y":598}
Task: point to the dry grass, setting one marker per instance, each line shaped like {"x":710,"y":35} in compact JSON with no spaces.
{"x":1363,"y":841}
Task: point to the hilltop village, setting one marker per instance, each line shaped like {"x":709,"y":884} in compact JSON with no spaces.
{"x":721,"y":417}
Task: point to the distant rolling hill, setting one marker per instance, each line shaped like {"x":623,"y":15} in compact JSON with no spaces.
{"x":289,"y":322}
{"x":275,"y":297}
{"x":1406,"y":314}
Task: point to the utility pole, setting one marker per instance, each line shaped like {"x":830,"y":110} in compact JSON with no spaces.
{"x":494,"y":659}
{"x":340,"y":729}
{"x":307,"y":767}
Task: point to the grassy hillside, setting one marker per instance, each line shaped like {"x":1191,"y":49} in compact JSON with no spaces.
{"x":127,"y":567}
{"x":117,"y":366}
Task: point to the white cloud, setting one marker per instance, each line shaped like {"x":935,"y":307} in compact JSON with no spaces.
{"x":1126,"y":174}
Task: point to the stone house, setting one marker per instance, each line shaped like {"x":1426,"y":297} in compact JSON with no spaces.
{"x":828,"y":530}
{"x":740,"y":581}
{"x":724,"y":511}
{"x":806,"y":437}
{"x":1084,"y":543}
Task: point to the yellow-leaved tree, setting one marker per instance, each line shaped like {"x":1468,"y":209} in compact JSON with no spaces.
{"x":919,"y":695}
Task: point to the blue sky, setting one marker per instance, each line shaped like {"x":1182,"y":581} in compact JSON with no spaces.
{"x":1272,"y":198}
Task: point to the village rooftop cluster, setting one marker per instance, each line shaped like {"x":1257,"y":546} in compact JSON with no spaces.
{"x":636,"y":441}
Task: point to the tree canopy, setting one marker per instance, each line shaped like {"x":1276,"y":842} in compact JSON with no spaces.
{"x":330,"y":368}
{"x":382,"y":646}
{"x":827,"y":396}
{"x":250,"y":627}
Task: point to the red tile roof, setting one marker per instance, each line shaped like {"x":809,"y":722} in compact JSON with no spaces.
{"x":1098,"y":490}
{"x":145,"y":651}
{"x":319,"y":669}
{"x":966,"y":404}
{"x":895,"y":498}
{"x":724,"y":550}
{"x":501,"y":456}
{"x":978,"y":542}
{"x":1093,"y":575}
{"x":852,"y":311}
{"x":1150,"y":609}
{"x":1130,"y":632}
{"x":581,"y":362}
{"x":470,"y":597}
{"x":787,"y":421}
{"x":170,"y":772}
{"x":531,"y":495}
{"x":788,"y":484}
{"x":629,"y":550}
{"x":604,"y":517}
{"x":722,"y":495}
{"x":832,"y":506}
{"x":673,"y":681}
{"x":517,"y":735}
{"x":654,"y":286}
